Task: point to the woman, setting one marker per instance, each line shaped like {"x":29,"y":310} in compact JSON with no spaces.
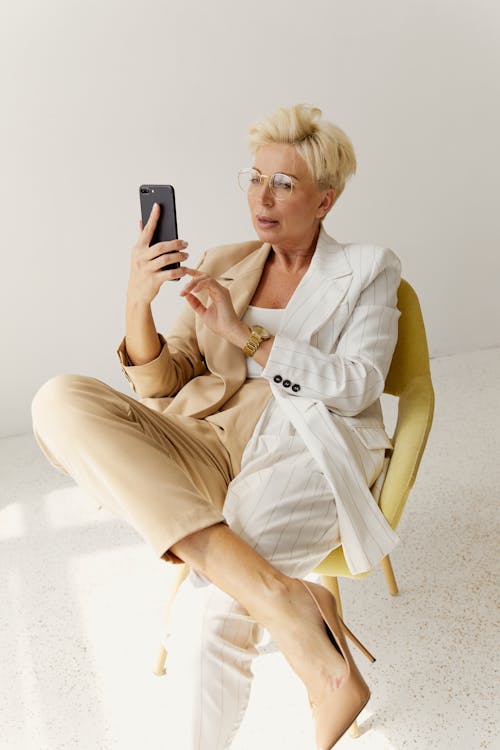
{"x":251,"y":451}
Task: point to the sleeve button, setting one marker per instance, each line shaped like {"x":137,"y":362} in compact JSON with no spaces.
{"x":295,"y":387}
{"x":287,"y":383}
{"x":277,"y":378}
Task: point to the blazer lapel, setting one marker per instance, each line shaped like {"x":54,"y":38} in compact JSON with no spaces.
{"x":317,"y":296}
{"x":320,"y":291}
{"x":222,"y":357}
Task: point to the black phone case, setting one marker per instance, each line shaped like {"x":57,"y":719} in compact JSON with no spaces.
{"x":166,"y":227}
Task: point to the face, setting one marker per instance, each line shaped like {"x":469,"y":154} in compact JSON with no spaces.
{"x":294,"y":221}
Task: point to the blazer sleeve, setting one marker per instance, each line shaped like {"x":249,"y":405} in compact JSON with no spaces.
{"x":178,"y":362}
{"x":351,"y":377}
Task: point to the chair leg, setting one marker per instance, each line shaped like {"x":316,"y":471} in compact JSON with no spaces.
{"x":159,"y":669}
{"x":179,"y":576}
{"x":332,"y":584}
{"x":389,"y":575}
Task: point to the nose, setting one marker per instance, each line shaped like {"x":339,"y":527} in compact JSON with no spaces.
{"x":267,"y":196}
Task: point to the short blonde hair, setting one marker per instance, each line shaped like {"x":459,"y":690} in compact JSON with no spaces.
{"x":326,"y":149}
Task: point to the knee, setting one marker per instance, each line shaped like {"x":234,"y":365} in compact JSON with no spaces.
{"x":60,"y":392}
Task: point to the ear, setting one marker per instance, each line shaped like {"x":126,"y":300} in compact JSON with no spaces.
{"x":327,"y":202}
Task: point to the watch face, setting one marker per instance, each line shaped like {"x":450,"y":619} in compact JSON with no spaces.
{"x":263,"y":332}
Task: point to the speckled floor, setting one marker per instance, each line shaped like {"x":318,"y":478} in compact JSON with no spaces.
{"x":82,"y":601}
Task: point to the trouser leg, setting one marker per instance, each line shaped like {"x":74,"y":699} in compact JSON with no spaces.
{"x":290,"y":518}
{"x":166,"y":475}
{"x":209,"y":668}
{"x":283,"y":508}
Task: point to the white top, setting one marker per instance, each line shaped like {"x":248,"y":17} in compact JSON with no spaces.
{"x":270,"y":318}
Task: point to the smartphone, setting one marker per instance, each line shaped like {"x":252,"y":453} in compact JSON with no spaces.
{"x":166,"y":227}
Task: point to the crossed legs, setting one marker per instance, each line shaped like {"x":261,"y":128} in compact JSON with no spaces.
{"x":213,"y":638}
{"x":143,"y":467}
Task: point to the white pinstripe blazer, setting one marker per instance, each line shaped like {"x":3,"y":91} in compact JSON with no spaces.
{"x":327,"y":369}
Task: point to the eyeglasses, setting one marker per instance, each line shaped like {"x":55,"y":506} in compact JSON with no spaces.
{"x":281,"y":185}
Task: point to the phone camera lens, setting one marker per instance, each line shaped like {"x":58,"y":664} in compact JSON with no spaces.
{"x":144,"y":190}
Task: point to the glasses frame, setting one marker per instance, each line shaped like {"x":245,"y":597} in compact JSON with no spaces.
{"x":269,"y":178}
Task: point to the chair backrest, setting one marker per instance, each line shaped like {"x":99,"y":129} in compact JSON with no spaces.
{"x":409,"y":379}
{"x":411,"y":355}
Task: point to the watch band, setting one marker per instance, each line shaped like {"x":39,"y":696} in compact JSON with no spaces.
{"x":258,"y":334}
{"x":252,"y":344}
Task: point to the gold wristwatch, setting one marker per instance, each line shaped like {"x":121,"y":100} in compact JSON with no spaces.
{"x":258,"y":335}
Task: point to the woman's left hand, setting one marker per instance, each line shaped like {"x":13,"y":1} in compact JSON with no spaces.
{"x":220,"y":315}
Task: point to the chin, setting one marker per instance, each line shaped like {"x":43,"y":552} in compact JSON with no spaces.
{"x":267,"y":235}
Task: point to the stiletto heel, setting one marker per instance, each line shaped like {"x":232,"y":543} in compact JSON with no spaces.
{"x":355,"y":640}
{"x":335,"y":713}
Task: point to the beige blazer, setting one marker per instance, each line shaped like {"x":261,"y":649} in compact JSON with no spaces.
{"x":327,"y":369}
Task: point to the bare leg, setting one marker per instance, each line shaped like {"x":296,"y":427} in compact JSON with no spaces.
{"x":278,"y":602}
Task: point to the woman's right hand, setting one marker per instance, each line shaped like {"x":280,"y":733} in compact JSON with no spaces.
{"x":145,"y":276}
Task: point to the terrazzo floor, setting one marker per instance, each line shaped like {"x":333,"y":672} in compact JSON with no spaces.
{"x":82,"y":602}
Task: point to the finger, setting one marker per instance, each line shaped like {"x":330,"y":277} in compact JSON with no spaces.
{"x":166,"y":259}
{"x":195,"y":283}
{"x":198,"y":276}
{"x":140,"y":225}
{"x":162,"y":248}
{"x":195,"y":303}
{"x":198,"y":290}
{"x":189,"y":290}
{"x":149,"y":229}
{"x":172,"y":272}
{"x":191,"y":272}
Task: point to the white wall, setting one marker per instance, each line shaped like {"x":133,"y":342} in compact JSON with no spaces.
{"x":100,"y":96}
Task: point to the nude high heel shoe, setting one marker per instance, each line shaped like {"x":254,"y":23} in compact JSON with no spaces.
{"x":335,"y":714}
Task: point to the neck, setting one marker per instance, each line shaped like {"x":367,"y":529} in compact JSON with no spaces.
{"x":297,"y":260}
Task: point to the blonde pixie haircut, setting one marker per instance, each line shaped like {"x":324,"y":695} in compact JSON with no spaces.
{"x":325,"y":148}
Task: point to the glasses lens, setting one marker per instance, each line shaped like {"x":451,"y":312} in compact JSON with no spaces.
{"x":281,"y":185}
{"x":247,"y":177}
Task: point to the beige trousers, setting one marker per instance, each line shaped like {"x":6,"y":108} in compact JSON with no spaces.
{"x":166,"y":475}
{"x":170,"y":475}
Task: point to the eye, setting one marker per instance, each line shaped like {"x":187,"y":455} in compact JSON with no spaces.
{"x":248,"y":178}
{"x":282,"y":181}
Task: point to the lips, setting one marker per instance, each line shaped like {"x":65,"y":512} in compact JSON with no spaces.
{"x":266,"y":221}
